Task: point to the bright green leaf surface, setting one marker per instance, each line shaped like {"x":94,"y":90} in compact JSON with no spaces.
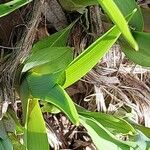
{"x":100,"y":136}
{"x":116,"y":16}
{"x":11,"y":6}
{"x":58,"y":64}
{"x":49,"y":58}
{"x":141,"y":57}
{"x":126,"y":7}
{"x":36,"y":136}
{"x":113,"y":12}
{"x":44,"y":87}
{"x":88,"y":59}
{"x":114,"y":124}
{"x":58,"y":39}
{"x":58,"y":97}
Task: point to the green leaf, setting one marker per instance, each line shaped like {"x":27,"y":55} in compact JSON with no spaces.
{"x":116,"y":16}
{"x":127,"y":6}
{"x":100,"y":136}
{"x":48,"y":107}
{"x":15,"y":142}
{"x":40,"y":85}
{"x":5,"y":143}
{"x":114,"y":124}
{"x":113,"y":12}
{"x":58,"y":97}
{"x":143,"y":129}
{"x":44,"y":87}
{"x":36,"y":136}
{"x":18,"y":127}
{"x":88,"y":59}
{"x":141,"y":57}
{"x":24,"y":94}
{"x":9,"y":7}
{"x":58,"y":39}
{"x":49,"y":60}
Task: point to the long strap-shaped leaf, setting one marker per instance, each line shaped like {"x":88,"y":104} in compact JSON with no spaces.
{"x":44,"y":87}
{"x":88,"y":59}
{"x":141,"y":57}
{"x":115,"y":14}
{"x":11,"y":6}
{"x":112,"y":8}
{"x":35,"y":134}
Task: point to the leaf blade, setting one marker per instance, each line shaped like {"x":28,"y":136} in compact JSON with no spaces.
{"x":116,"y":16}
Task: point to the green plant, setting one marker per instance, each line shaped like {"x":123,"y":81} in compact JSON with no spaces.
{"x":50,"y":69}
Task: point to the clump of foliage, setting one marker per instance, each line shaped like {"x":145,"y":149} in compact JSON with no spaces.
{"x":50,"y":69}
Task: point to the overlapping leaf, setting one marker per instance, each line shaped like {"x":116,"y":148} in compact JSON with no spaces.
{"x":35,"y":134}
{"x":101,"y":136}
{"x":114,"y":124}
{"x":9,"y":7}
{"x":47,"y":60}
{"x":141,"y":57}
{"x":90,"y":56}
{"x":88,"y":59}
{"x":45,"y":87}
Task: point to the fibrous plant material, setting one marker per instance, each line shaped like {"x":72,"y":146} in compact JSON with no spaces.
{"x":9,"y":68}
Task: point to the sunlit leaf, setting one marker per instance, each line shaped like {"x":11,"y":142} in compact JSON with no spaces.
{"x":35,"y":134}
{"x":114,"y":124}
{"x":44,"y":87}
{"x":100,"y":136}
{"x":47,"y":60}
{"x":127,"y":6}
{"x":9,"y":7}
{"x":88,"y":59}
{"x":116,"y":16}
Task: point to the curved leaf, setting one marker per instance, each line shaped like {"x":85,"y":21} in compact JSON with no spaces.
{"x":116,"y":16}
{"x":58,"y":97}
{"x":88,"y":59}
{"x":36,"y":136}
{"x":113,"y":12}
{"x":58,"y":39}
{"x":141,"y":57}
{"x":44,"y":87}
{"x":116,"y":125}
{"x":101,"y":137}
{"x":9,"y":7}
{"x":127,"y":6}
{"x":46,"y":59}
